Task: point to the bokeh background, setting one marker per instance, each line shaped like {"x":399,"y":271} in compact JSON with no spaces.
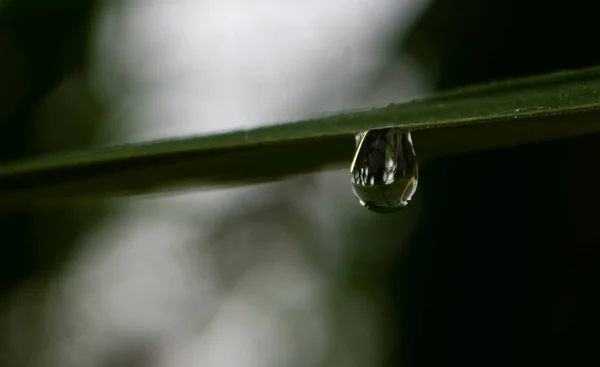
{"x":495,"y":260}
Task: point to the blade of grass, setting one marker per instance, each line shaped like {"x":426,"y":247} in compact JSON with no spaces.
{"x":502,"y":114}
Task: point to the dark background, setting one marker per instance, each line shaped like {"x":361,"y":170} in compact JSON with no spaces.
{"x":513,"y":250}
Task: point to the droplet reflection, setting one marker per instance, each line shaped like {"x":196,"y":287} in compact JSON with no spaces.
{"x":384,"y":172}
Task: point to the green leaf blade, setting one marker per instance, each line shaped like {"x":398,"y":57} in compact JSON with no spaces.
{"x":502,"y":114}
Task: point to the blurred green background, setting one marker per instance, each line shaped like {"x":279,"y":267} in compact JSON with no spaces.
{"x":495,"y":260}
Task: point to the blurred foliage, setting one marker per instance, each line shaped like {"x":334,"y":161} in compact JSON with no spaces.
{"x":43,"y":53}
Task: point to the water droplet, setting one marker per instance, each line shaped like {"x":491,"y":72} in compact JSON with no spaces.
{"x":359,"y":137}
{"x":384,"y":172}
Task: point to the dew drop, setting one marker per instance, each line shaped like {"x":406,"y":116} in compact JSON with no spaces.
{"x":384,"y":172}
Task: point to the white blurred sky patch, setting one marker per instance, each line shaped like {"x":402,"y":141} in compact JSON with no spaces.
{"x":186,"y":67}
{"x":179,"y":67}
